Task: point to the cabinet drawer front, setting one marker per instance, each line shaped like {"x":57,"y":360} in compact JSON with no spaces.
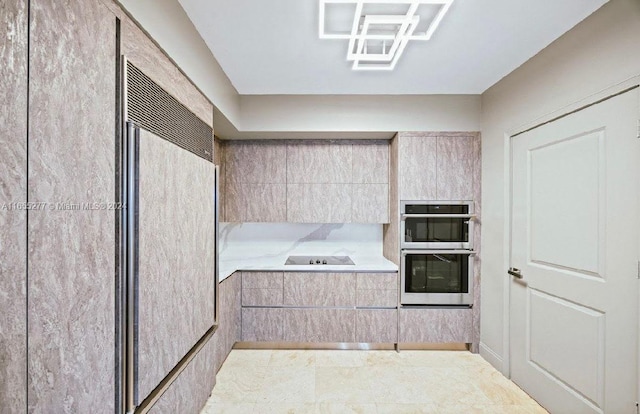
{"x":261,"y":297}
{"x":319,"y":325}
{"x":262,"y":280}
{"x":436,"y":325}
{"x":376,"y":280}
{"x":377,"y":298}
{"x":319,"y":289}
{"x":377,"y":325}
{"x":262,"y":324}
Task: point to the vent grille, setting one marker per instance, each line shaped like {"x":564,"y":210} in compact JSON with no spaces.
{"x":154,"y":109}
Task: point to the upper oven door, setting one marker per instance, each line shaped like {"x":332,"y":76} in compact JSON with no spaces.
{"x":437,"y":225}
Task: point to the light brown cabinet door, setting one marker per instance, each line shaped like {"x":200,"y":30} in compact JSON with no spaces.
{"x":377,"y":325}
{"x":13,"y":184}
{"x":71,"y":263}
{"x":176,"y":279}
{"x":417,"y":167}
{"x":319,"y":289}
{"x":436,"y":325}
{"x":319,"y":325}
{"x":458,"y":161}
{"x":319,"y":203}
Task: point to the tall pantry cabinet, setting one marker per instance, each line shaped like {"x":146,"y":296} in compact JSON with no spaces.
{"x":60,"y":146}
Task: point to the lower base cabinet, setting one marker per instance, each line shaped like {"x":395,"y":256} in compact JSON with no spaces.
{"x":262,"y":324}
{"x":315,"y":307}
{"x":377,"y":326}
{"x":436,"y":325}
{"x":319,"y":325}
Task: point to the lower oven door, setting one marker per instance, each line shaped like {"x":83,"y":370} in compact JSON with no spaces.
{"x":437,"y":277}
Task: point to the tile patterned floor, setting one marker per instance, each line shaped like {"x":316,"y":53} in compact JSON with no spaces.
{"x":367,"y":382}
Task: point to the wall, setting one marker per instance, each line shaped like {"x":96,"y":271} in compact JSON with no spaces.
{"x":598,"y":53}
{"x":367,"y":113}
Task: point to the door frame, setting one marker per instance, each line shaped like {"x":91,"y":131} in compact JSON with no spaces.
{"x":592,"y":99}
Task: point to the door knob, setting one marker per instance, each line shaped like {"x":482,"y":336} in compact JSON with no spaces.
{"x":515,"y":272}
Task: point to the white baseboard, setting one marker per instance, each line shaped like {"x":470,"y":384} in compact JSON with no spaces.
{"x":491,"y":357}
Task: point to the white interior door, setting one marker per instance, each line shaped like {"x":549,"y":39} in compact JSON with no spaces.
{"x":575,"y":236}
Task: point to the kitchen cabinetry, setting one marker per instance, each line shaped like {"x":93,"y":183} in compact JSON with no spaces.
{"x":66,"y":104}
{"x":256,"y":189}
{"x":319,"y":307}
{"x":71,"y":153}
{"x":229,"y":320}
{"x":307,"y":182}
{"x":434,"y":325}
{"x":437,"y":166}
{"x":13,"y":181}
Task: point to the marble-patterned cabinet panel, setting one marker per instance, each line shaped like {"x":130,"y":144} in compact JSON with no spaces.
{"x":191,"y":390}
{"x":262,"y":324}
{"x":13,"y":233}
{"x":436,"y":325}
{"x":319,"y":325}
{"x":370,"y":164}
{"x":248,"y":202}
{"x":319,"y":203}
{"x":176,"y":281}
{"x":377,"y":290}
{"x":255,"y":182}
{"x":322,"y":307}
{"x":417,"y":166}
{"x":456,"y":167}
{"x":319,"y":289}
{"x":319,"y":163}
{"x":71,"y":252}
{"x":377,"y":325}
{"x":229,"y":319}
{"x":370,"y":203}
{"x":307,"y":182}
{"x":262,"y":289}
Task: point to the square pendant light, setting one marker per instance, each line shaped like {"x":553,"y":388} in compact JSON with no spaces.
{"x":379,"y":30}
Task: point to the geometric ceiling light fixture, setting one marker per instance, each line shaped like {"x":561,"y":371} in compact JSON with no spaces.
{"x":378,"y":30}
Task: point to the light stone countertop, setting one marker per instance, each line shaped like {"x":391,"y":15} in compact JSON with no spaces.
{"x":372,"y":264}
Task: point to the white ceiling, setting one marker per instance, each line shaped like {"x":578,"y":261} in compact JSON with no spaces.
{"x":272,"y":47}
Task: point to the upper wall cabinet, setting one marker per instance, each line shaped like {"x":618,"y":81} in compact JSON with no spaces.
{"x":256,"y":182}
{"x":436,"y":166}
{"x":275,"y":181}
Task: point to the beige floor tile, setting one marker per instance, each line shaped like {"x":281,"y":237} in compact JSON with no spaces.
{"x":229,"y":408}
{"x":346,"y":384}
{"x":489,"y":409}
{"x":345,"y":408}
{"x":407,"y":408}
{"x":286,"y":358}
{"x":442,"y":382}
{"x":345,"y":358}
{"x":236,"y":384}
{"x":288,"y":384}
{"x":248,"y":358}
{"x":284,"y":408}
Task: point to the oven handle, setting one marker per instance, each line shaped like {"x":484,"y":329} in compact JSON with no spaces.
{"x":461,"y":251}
{"x":467,"y":216}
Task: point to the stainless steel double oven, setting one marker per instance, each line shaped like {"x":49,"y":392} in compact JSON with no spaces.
{"x":437,"y":252}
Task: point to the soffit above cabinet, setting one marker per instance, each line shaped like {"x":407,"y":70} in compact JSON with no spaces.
{"x":274,"y":48}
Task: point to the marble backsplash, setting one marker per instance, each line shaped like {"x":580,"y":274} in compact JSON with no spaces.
{"x":239,"y":240}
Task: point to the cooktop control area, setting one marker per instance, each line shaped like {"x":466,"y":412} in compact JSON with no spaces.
{"x":319,"y":260}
